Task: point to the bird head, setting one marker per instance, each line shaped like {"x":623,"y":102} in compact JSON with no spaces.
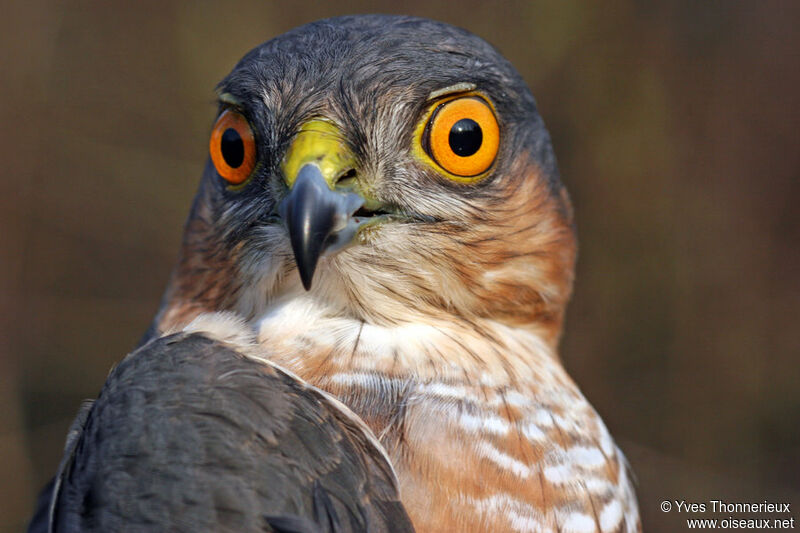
{"x":390,"y":168}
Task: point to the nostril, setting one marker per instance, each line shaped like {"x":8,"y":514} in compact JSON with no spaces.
{"x":346,"y":179}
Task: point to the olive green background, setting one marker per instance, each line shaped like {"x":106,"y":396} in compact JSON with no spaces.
{"x":676,"y":127}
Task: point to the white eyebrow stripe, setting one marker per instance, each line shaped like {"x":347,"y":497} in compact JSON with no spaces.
{"x":228,"y":98}
{"x":460,"y":87}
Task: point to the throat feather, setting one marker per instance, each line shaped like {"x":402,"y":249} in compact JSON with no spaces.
{"x":316,"y":345}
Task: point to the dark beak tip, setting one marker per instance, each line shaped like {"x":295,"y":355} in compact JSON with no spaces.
{"x":306,"y":272}
{"x":307,"y":251}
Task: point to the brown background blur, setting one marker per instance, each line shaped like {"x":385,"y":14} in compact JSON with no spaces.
{"x":676,"y":125}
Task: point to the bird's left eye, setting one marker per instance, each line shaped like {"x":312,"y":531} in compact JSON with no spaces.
{"x":233,"y":147}
{"x":462,"y":136}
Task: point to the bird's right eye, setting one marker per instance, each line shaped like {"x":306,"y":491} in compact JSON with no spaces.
{"x":233,"y":147}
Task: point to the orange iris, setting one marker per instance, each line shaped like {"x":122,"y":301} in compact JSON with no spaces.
{"x":233,"y":147}
{"x":463,"y":136}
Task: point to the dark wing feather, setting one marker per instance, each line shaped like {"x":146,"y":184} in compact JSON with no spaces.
{"x":189,"y":435}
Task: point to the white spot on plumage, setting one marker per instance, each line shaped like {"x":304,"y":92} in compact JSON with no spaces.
{"x":517,"y":399}
{"x":490,"y":424}
{"x":543,"y":418}
{"x":488,"y":380}
{"x":610,"y":516}
{"x":445,"y":391}
{"x":522,"y":516}
{"x":586,"y":457}
{"x":571,"y":465}
{"x":559,"y":474}
{"x":575,"y":522}
{"x":503,"y":460}
{"x":606,"y":442}
{"x":532,"y":432}
{"x":597,"y":485}
{"x":524,"y":523}
{"x":566,"y":424}
{"x":366,"y":380}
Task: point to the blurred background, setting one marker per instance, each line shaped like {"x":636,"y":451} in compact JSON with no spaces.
{"x":677,"y":129}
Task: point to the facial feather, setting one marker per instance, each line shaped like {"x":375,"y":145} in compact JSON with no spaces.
{"x":504,"y":251}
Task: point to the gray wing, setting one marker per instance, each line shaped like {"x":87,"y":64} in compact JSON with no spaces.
{"x":189,"y":435}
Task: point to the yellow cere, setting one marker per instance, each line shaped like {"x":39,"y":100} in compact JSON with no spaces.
{"x":321,"y":143}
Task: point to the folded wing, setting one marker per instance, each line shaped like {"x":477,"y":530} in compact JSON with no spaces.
{"x":188,"y":434}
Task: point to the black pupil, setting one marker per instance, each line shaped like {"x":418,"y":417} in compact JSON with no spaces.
{"x":465,"y":137}
{"x":232,"y":148}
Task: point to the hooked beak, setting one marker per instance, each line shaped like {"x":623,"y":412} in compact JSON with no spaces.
{"x":319,"y":218}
